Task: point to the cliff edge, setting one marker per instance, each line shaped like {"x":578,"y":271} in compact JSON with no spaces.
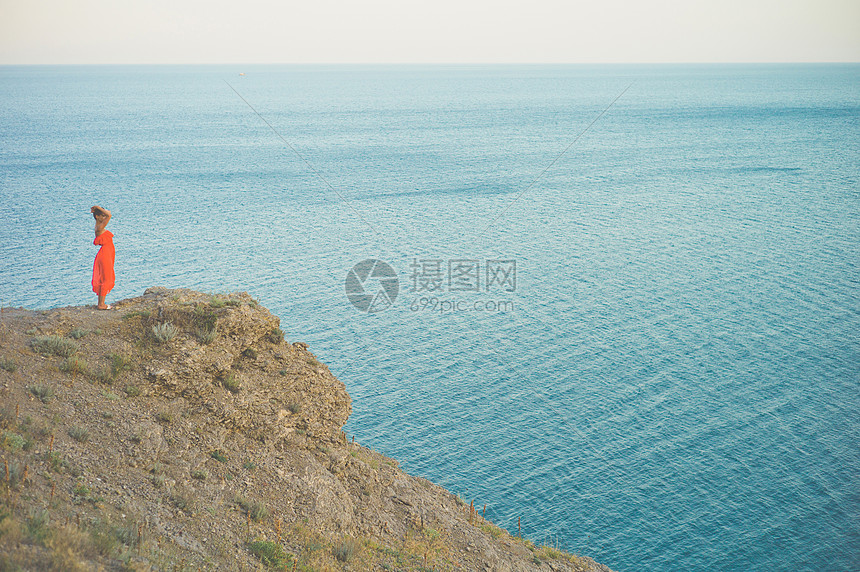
{"x":181,"y":431}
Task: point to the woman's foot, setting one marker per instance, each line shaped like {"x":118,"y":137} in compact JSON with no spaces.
{"x":105,"y":307}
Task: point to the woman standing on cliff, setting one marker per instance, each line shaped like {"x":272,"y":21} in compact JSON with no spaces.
{"x":103,"y":275}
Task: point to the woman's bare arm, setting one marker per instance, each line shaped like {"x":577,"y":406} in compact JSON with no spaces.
{"x":99,"y":211}
{"x":102,"y":217}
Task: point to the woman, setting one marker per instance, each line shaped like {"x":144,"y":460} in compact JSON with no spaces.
{"x":103,"y":276}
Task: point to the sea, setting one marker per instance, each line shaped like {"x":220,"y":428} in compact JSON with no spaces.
{"x":615,"y":306}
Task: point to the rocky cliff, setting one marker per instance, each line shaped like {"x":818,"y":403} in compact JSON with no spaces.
{"x":181,"y":431}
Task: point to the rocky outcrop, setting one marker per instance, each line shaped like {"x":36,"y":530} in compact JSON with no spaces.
{"x":181,"y":430}
{"x":230,"y":357}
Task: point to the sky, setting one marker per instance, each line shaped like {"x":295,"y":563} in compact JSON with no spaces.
{"x":427,"y":31}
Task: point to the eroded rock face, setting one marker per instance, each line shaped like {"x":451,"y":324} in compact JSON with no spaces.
{"x":230,"y":357}
{"x":197,"y":436}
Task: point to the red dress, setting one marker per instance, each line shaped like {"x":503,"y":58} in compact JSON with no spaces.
{"x":103,"y":276}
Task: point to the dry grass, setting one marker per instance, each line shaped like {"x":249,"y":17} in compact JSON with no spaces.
{"x":276,"y":336}
{"x":101,"y":375}
{"x":68,"y":548}
{"x":183,"y":498}
{"x":270,"y":554}
{"x":255,"y":509}
{"x":78,"y":333}
{"x":119,"y":364}
{"x":75,"y":365}
{"x":59,"y":544}
{"x":491,"y":529}
{"x":346,"y":549}
{"x":206,"y":335}
{"x":54,"y":345}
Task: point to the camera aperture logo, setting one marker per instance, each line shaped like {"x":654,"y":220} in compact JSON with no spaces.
{"x":438,"y":285}
{"x":372,"y":285}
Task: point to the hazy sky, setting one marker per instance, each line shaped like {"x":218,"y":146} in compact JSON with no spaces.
{"x":429,"y":31}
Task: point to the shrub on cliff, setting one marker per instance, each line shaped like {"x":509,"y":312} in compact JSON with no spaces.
{"x":164,"y":332}
{"x":270,"y":554}
{"x":54,"y":345}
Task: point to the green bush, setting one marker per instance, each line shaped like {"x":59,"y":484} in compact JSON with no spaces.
{"x":12,"y":441}
{"x":57,"y":463}
{"x":231,"y":383}
{"x":164,"y":332}
{"x":54,"y":345}
{"x":37,"y":526}
{"x":82,"y":493}
{"x":270,"y":554}
{"x":75,"y":365}
{"x":45,"y":393}
{"x":101,"y":375}
{"x":119,"y":364}
{"x":8,"y":364}
{"x":16,"y":474}
{"x":276,"y":336}
{"x":79,"y":434}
